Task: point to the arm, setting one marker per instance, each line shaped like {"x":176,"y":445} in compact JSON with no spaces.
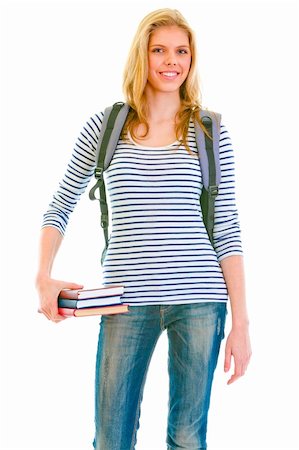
{"x":50,"y":241}
{"x":233,"y":271}
{"x":238,"y":341}
{"x":74,"y":182}
{"x":228,"y":246}
{"x":49,"y":289}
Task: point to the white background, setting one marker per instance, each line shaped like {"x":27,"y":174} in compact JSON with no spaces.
{"x":62,"y":62}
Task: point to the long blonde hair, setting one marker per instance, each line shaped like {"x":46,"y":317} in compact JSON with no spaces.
{"x":136,"y":73}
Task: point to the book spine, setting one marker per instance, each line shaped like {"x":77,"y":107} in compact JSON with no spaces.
{"x":69,"y":312}
{"x":82,"y":294}
{"x":89,"y":302}
{"x":67,"y":303}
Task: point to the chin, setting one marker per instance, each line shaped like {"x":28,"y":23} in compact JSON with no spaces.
{"x":161,"y":87}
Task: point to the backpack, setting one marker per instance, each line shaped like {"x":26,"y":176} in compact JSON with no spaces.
{"x":113,"y":122}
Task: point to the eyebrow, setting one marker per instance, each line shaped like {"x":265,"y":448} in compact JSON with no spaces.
{"x":161,"y":45}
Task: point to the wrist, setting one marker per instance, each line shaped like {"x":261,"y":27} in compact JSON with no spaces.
{"x":240,"y":323}
{"x":41,"y":277}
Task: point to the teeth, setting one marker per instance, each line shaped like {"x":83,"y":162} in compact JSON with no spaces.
{"x":169,"y":74}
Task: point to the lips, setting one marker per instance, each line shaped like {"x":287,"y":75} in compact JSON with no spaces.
{"x":169,"y":74}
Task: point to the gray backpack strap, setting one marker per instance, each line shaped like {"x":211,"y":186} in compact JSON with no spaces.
{"x":208,"y":152}
{"x":116,"y":129}
{"x":112,"y":125}
{"x":207,"y":117}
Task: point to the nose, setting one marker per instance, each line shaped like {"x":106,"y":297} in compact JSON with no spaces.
{"x":171,"y":59}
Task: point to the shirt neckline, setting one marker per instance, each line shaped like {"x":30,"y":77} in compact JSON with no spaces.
{"x":148,"y":147}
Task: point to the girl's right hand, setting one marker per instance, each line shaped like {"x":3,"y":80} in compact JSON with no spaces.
{"x":48,"y":290}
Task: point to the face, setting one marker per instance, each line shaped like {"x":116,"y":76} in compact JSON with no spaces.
{"x":169,"y":58}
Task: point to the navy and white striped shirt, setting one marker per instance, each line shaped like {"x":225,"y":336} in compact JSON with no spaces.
{"x":159,"y":248}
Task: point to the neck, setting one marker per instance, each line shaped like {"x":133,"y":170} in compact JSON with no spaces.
{"x":162,"y":106}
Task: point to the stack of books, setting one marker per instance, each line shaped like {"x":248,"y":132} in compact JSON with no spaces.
{"x":90,"y":302}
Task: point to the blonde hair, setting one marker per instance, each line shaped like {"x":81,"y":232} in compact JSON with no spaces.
{"x":136,"y":73}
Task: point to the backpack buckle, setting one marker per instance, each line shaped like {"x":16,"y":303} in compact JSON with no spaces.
{"x":213,"y":191}
{"x":99,"y":172}
{"x":104,"y":221}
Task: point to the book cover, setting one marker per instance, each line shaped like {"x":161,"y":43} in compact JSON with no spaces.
{"x":89,"y":302}
{"x":77,"y":294}
{"x":73,"y":312}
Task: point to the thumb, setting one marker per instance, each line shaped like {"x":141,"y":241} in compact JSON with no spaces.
{"x":68,"y":285}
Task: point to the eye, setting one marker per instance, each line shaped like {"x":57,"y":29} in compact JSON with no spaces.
{"x":181,"y":51}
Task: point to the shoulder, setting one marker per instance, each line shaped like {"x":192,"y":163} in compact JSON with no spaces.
{"x":224,"y":138}
{"x":91,"y":128}
{"x":95,"y":121}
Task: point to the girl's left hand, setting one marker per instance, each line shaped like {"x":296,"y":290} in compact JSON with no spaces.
{"x":238,"y":346}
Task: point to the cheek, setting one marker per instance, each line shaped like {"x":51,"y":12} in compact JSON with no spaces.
{"x":153,"y":65}
{"x":187,"y":66}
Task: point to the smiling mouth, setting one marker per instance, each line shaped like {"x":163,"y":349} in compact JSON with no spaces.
{"x":169,"y":74}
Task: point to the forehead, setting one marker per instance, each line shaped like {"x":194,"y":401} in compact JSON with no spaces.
{"x":169,"y":35}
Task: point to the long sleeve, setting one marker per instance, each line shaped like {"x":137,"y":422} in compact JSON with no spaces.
{"x":77,"y":175}
{"x":227,"y":233}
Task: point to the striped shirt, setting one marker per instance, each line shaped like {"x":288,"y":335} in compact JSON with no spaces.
{"x":159,"y":249}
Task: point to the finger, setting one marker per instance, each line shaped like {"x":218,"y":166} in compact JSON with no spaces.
{"x":233,"y":378}
{"x":61,"y":317}
{"x":52,"y":314}
{"x":57,"y":318}
{"x":227,"y":361}
{"x":68,"y":285}
{"x":238,"y":373}
{"x":247,"y":361}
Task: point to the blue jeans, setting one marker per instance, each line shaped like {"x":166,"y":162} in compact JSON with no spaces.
{"x":125,"y":347}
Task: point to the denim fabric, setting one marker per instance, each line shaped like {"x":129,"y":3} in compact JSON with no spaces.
{"x":125,"y":347}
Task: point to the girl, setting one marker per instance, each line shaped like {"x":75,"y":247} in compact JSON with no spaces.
{"x":159,"y":248}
